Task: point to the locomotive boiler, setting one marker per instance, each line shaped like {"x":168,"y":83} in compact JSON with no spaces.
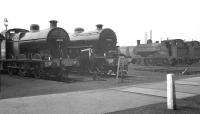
{"x":95,"y":47}
{"x":37,"y":52}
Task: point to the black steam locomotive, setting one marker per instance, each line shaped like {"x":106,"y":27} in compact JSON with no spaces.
{"x":168,"y":52}
{"x":94,"y":49}
{"x":41,"y":53}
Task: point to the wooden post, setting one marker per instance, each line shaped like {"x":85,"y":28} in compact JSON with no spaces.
{"x":171,"y":94}
{"x":118,"y":67}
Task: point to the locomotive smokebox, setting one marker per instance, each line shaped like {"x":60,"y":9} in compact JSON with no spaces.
{"x":99,"y":26}
{"x":34,"y":28}
{"x":53,"y":23}
{"x":138,"y":42}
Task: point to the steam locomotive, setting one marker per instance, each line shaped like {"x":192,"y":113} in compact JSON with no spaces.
{"x":168,"y":52}
{"x":94,"y":49}
{"x":40,"y":53}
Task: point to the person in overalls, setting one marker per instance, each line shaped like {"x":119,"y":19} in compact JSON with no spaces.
{"x":96,"y":67}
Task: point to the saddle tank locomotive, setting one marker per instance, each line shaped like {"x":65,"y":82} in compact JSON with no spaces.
{"x":41,"y":53}
{"x":94,"y":50}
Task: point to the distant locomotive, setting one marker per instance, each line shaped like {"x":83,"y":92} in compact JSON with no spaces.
{"x":127,"y":51}
{"x":168,"y":52}
{"x":95,"y":47}
{"x":38,"y":52}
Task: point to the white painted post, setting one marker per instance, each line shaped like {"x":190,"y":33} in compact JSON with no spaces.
{"x":171,"y":93}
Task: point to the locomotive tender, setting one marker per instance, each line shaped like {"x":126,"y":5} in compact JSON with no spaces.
{"x":93,"y":49}
{"x":42,"y":53}
{"x":168,"y":52}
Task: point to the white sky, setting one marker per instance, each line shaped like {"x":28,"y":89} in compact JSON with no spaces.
{"x":130,"y":19}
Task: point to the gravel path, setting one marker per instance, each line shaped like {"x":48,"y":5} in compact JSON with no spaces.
{"x":15,"y":86}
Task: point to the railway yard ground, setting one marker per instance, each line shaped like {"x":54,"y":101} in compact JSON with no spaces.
{"x":16,"y":87}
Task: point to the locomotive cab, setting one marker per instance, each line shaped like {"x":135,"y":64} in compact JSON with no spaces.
{"x":2,"y":47}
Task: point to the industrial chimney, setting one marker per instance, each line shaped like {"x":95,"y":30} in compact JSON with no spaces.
{"x":34,"y":28}
{"x":151,"y":34}
{"x":99,"y":26}
{"x":53,"y":23}
{"x":145,"y":37}
{"x":138,"y":42}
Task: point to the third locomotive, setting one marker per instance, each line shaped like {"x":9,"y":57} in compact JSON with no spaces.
{"x":168,"y":52}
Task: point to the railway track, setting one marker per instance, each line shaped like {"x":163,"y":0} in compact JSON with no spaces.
{"x":178,"y":69}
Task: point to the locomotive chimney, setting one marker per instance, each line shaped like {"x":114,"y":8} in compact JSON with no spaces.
{"x":34,"y":28}
{"x":99,"y":26}
{"x":149,"y":41}
{"x":138,"y":42}
{"x":78,"y":30}
{"x":53,"y":23}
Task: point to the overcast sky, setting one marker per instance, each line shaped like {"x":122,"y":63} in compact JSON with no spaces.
{"x":130,"y":19}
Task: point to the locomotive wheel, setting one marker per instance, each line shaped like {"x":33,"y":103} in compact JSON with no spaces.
{"x":38,"y":73}
{"x":22,"y":72}
{"x":59,"y":75}
{"x":66,"y":74}
{"x":10,"y":71}
{"x":62,"y":75}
